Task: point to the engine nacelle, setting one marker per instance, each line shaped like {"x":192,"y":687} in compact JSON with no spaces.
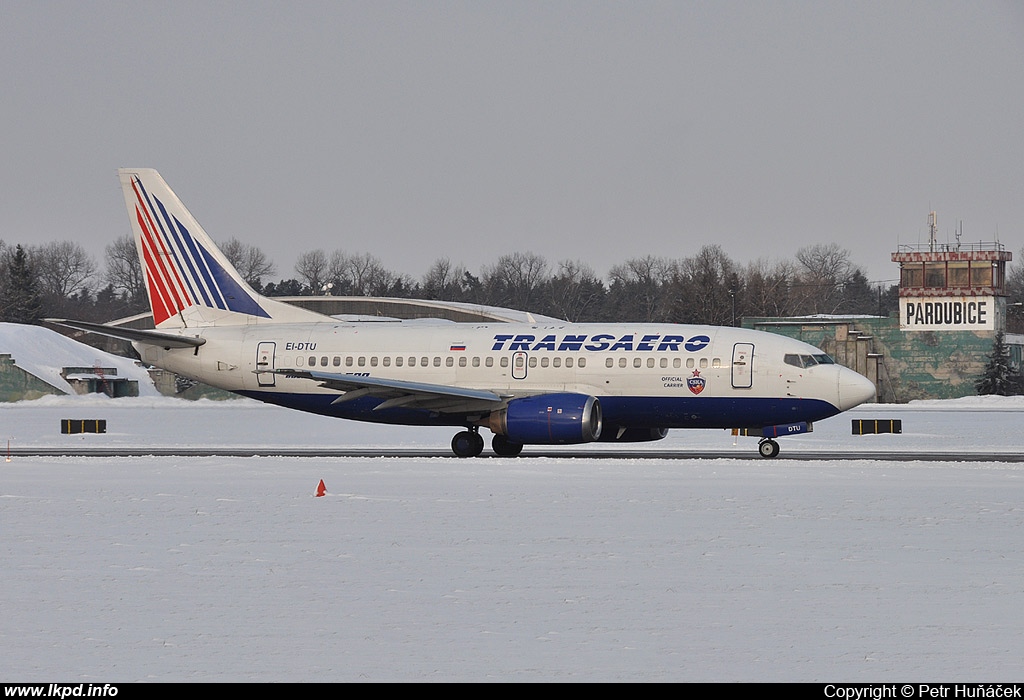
{"x":549,"y":419}
{"x":613,"y":434}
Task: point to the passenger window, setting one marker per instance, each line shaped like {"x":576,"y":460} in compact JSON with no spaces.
{"x":622,"y":362}
{"x":717,"y":362}
{"x":323,"y":361}
{"x":299,"y":361}
{"x":543,"y":362}
{"x":489,"y":362}
{"x":449,"y":361}
{"x":312,"y":361}
{"x":637,"y":362}
{"x":424,"y":362}
{"x":582,"y":362}
{"x":373,"y":361}
{"x":398,"y":361}
{"x":462,"y":361}
{"x":386,"y":361}
{"x":568,"y":362}
{"x":337,"y":361}
{"x":676,"y":362}
{"x":664,"y":362}
{"x":361,"y":361}
{"x":476,"y":361}
{"x":689,"y":363}
{"x":504,"y":361}
{"x":609,"y":362}
{"x":556,"y":362}
{"x":650,"y":363}
{"x":703,"y":363}
{"x":437,"y":362}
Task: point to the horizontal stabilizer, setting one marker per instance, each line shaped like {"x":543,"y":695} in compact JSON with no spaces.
{"x":163,"y":340}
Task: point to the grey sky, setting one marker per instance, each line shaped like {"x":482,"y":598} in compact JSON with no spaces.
{"x":587,"y":130}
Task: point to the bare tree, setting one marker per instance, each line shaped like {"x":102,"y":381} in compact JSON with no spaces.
{"x":124,"y":271}
{"x":443,"y":280}
{"x":361,"y":274}
{"x":515,"y":280}
{"x":637,"y":289}
{"x":766,"y":288}
{"x":63,"y":268}
{"x":1015,"y":294}
{"x":251,"y":262}
{"x":824,"y":269}
{"x":575,"y":292}
{"x":312,"y":269}
{"x":705,"y":288}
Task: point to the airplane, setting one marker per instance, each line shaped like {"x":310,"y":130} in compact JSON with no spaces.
{"x":541,"y":383}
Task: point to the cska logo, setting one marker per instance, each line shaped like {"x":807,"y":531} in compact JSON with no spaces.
{"x":696,"y":382}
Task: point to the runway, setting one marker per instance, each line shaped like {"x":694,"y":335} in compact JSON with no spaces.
{"x":537,"y":453}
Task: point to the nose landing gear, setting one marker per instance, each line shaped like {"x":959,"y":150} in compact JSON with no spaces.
{"x":768,"y":448}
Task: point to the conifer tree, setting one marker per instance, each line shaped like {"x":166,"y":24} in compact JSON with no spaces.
{"x":1001,"y":376}
{"x":23,"y":303}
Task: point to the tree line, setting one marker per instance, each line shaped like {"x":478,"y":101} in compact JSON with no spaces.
{"x":62,"y":279}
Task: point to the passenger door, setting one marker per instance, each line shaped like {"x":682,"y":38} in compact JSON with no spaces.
{"x":742,"y":365}
{"x":265,"y":361}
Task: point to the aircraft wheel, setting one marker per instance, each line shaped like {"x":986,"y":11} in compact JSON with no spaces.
{"x":467,"y":444}
{"x":503,"y":447}
{"x":768,"y":449}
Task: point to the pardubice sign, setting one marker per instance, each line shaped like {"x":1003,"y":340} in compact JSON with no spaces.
{"x":947,"y":313}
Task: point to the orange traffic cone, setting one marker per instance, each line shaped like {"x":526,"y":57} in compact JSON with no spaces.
{"x":321,"y":489}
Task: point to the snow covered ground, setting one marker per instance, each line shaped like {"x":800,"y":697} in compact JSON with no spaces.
{"x":217,"y":569}
{"x":43,"y":352}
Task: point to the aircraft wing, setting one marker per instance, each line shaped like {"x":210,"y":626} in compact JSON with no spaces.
{"x":164,"y":340}
{"x":395,"y":392}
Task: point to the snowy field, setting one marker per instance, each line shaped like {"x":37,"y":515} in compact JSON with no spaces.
{"x":571,"y":569}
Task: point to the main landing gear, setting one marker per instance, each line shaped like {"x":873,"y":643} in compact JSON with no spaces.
{"x":768,"y":448}
{"x":469,"y":443}
{"x":503,"y":447}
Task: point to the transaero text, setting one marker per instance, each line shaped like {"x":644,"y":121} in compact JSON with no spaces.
{"x":652,"y":342}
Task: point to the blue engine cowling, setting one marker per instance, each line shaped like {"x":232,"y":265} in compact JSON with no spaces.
{"x":616,"y":434}
{"x":549,"y":419}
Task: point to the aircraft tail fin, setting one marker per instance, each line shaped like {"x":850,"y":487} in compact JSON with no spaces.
{"x":188,"y":279}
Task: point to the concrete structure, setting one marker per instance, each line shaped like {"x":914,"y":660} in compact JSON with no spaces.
{"x":36,"y":361}
{"x":952,"y":305}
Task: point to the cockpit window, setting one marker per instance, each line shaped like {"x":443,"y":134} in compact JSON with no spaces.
{"x":804,"y":361}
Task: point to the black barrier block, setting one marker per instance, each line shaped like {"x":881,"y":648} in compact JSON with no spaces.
{"x":877,"y":427}
{"x":71,"y":426}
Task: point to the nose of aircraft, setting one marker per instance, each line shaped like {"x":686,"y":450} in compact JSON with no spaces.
{"x":854,"y":389}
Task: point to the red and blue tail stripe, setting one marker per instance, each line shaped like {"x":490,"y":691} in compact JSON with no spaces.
{"x":180,"y":271}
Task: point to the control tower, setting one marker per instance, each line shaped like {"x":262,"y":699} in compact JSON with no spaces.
{"x":952,"y":287}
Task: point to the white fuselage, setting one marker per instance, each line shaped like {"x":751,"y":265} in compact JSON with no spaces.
{"x":677,"y":376}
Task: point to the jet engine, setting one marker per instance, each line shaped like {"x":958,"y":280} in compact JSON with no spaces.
{"x":549,"y":419}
